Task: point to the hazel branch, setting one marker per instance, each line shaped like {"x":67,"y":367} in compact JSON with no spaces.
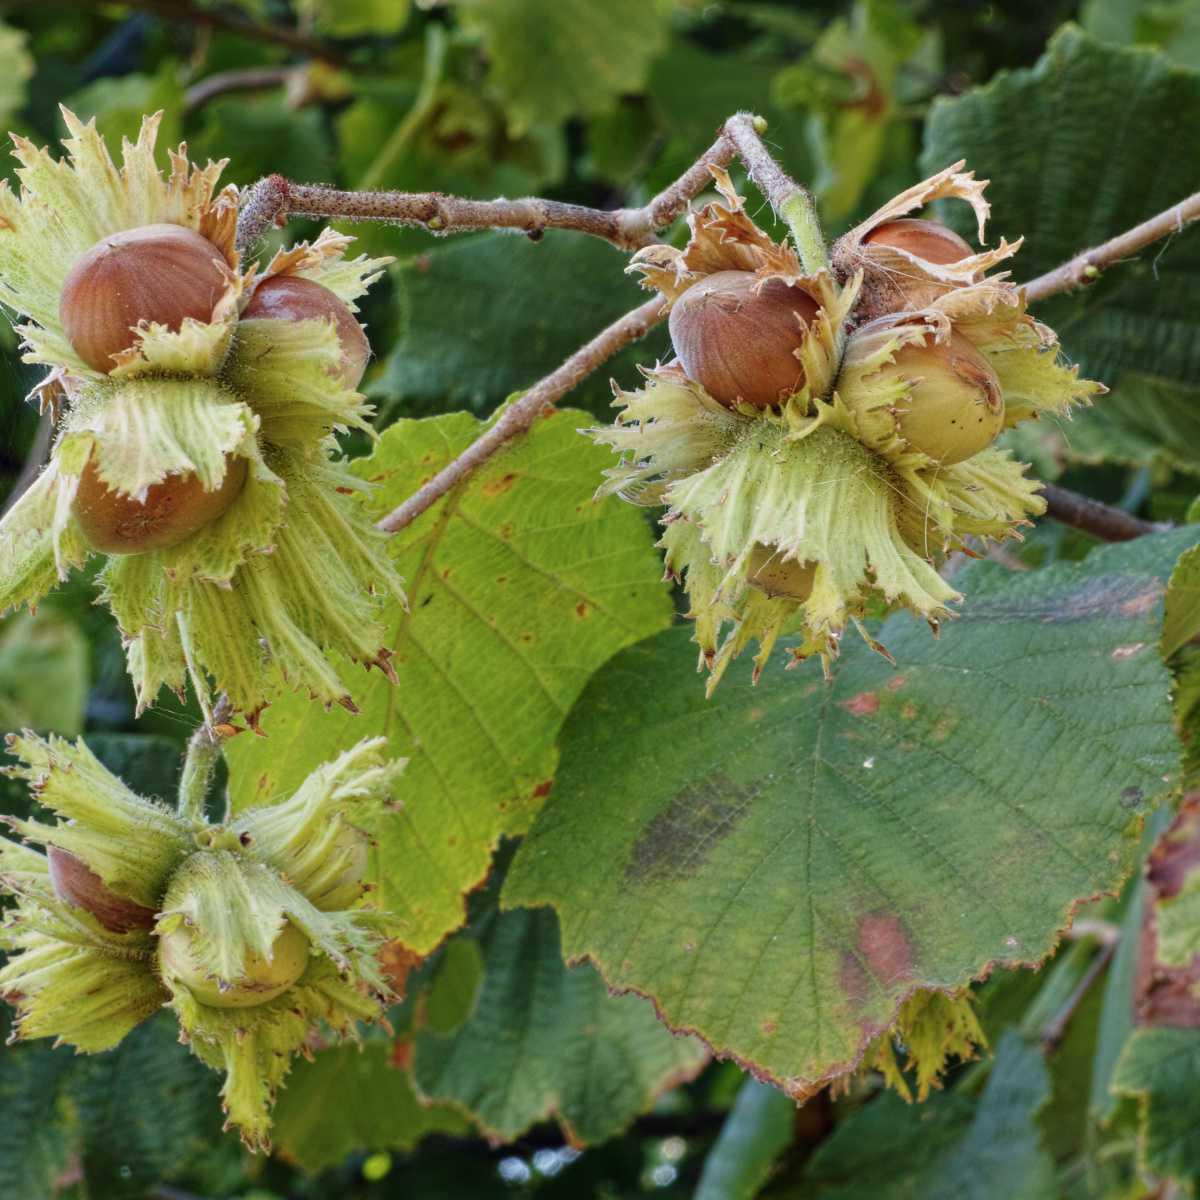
{"x":1088,"y":266}
{"x":273,"y":199}
{"x":231,"y":22}
{"x":517,"y":418}
{"x":794,"y":203}
{"x":1100,"y":520}
{"x":241,"y":79}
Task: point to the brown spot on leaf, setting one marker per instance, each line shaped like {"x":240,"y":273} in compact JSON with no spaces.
{"x":769,"y":1028}
{"x":497,"y":487}
{"x":865,"y":704}
{"x":896,"y":682}
{"x":582,"y":609}
{"x":882,"y":958}
{"x":685,"y":833}
{"x":543,"y":789}
{"x":909,"y":710}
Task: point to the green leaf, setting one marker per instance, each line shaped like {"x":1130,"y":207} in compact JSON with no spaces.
{"x":34,"y":1145}
{"x":1173,"y":26}
{"x":949,"y":1147}
{"x":455,"y":987}
{"x":757,"y":1131}
{"x":16,"y":69}
{"x":692,"y":91}
{"x":1181,"y":621}
{"x":120,"y":102}
{"x":1161,"y":1067}
{"x":546,"y":1040}
{"x":146,"y":1109}
{"x":1080,"y":148}
{"x":520,"y":586}
{"x":427,"y":126}
{"x":570,"y":58}
{"x":1116,"y":1015}
{"x":1143,"y":422}
{"x":358,"y":18}
{"x":43,"y":673}
{"x":778,"y":868}
{"x":352,"y":1098}
{"x":134,"y":1116}
{"x":490,"y":315}
{"x":260,"y":135}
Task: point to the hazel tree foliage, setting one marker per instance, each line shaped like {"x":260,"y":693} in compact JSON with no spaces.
{"x":387,"y":800}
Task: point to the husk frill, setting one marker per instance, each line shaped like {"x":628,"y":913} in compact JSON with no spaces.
{"x":231,"y":886}
{"x":291,"y":570}
{"x":823,"y":488}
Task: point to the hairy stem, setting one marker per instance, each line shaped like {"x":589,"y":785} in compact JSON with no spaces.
{"x":203,"y":751}
{"x":1087,"y":267}
{"x":521,"y":414}
{"x":1100,"y":520}
{"x":794,"y":203}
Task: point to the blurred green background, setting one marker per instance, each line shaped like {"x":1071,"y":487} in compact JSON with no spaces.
{"x":601,"y":102}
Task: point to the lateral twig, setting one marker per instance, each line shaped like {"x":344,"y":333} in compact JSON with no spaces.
{"x":242,"y":79}
{"x":1087,"y":266}
{"x":521,"y":414}
{"x":1056,"y":1029}
{"x":1100,"y":520}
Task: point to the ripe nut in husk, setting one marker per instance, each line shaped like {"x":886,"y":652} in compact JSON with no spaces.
{"x":737,"y":335}
{"x":155,"y":273}
{"x":933,"y":242}
{"x":77,"y":884}
{"x":262,"y":980}
{"x":116,"y":523}
{"x":292,"y":298}
{"x":955,"y":407}
{"x":779,"y":577}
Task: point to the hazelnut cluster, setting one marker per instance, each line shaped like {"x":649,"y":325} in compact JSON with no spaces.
{"x":821,"y":440}
{"x":195,"y":449}
{"x":255,"y":931}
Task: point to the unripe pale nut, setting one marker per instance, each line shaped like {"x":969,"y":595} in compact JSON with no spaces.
{"x":75,"y":883}
{"x":292,"y":298}
{"x":955,"y":407}
{"x":779,"y":577}
{"x":737,"y":336}
{"x":116,"y":523}
{"x":263,"y":980}
{"x":155,"y":273}
{"x":929,"y":240}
